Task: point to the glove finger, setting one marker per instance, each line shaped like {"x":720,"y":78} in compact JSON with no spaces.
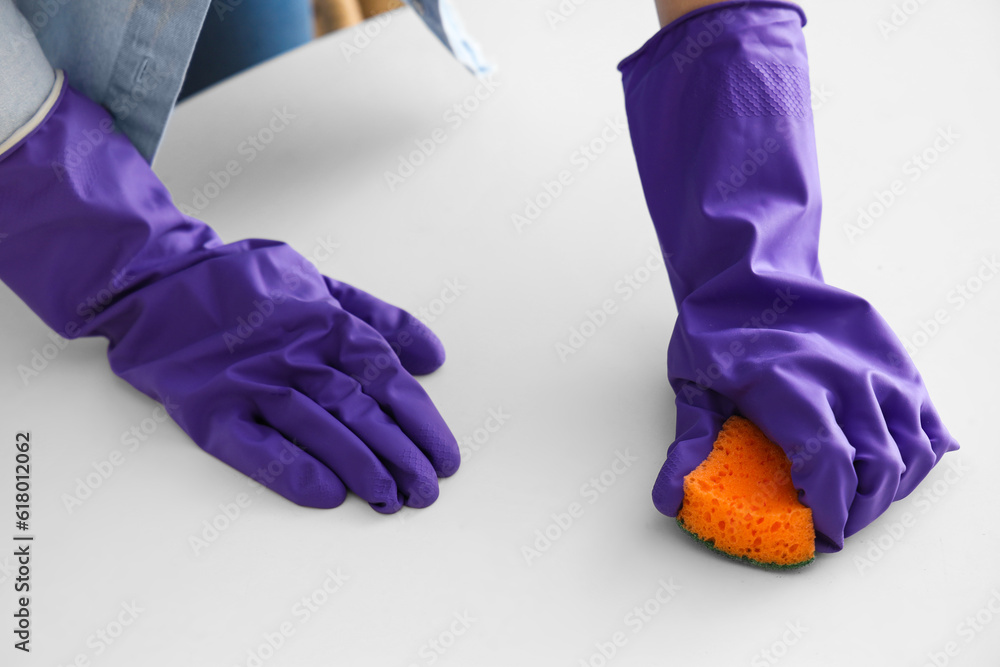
{"x":317,"y":432}
{"x":266,"y":456}
{"x":352,"y":347}
{"x":941,"y":440}
{"x":700,"y":414}
{"x":902,"y":417}
{"x":342,"y":397}
{"x":798,"y":418}
{"x":414,"y":344}
{"x":877,"y":460}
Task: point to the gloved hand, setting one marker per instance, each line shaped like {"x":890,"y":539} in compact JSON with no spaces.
{"x":718,"y":105}
{"x":297,"y":380}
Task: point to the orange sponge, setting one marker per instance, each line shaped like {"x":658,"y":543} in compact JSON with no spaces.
{"x":741,"y":501}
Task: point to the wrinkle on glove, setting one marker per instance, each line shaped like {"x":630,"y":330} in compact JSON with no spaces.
{"x":301,"y":382}
{"x":718,"y":105}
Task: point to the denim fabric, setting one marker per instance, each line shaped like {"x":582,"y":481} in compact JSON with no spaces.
{"x":26,"y":77}
{"x":131,"y":55}
{"x":127,"y":55}
{"x":235,"y":38}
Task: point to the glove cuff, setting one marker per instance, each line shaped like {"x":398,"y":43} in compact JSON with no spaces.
{"x":84,"y":221}
{"x":726,"y":10}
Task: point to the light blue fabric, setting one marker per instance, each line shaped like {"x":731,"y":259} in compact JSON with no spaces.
{"x":127,"y":55}
{"x":443,"y":21}
{"x":131,"y":55}
{"x":26,"y":77}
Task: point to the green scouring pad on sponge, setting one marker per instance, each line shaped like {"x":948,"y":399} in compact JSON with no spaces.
{"x":741,"y":501}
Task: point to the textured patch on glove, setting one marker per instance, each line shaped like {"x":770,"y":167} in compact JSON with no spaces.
{"x":758,"y":88}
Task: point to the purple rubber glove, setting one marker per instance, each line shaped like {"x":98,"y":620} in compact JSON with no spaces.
{"x":719,"y":112}
{"x":299,"y":381}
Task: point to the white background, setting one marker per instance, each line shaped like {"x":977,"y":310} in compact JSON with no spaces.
{"x":894,"y":595}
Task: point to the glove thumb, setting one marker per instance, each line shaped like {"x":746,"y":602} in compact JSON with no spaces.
{"x":700,"y":414}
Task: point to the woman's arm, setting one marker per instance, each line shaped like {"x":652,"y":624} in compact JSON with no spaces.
{"x":668,"y":10}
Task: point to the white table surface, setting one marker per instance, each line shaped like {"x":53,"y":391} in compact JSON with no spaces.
{"x":454,"y":576}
